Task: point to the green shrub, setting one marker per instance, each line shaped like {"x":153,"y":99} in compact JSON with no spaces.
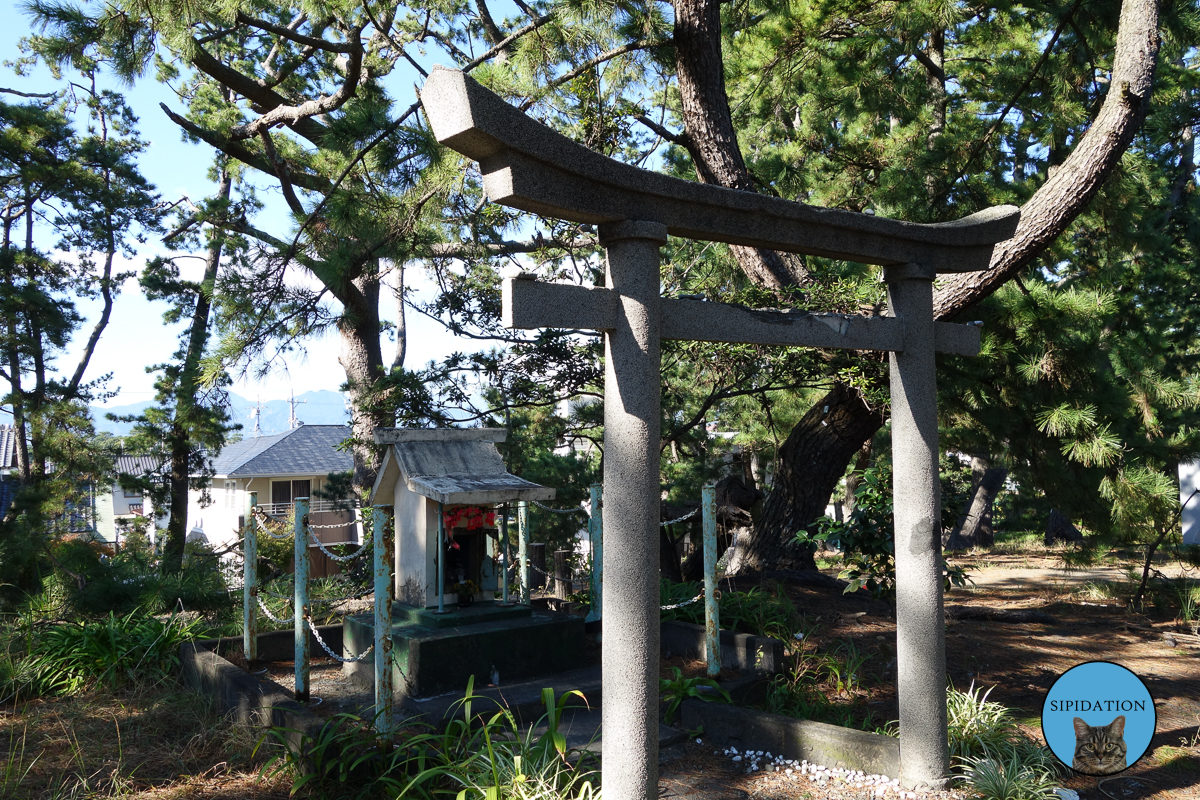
{"x":977,"y":726}
{"x":1020,"y":771}
{"x":674,"y":691}
{"x":759,"y":611}
{"x":112,"y":651}
{"x":479,"y":755}
{"x":94,"y":580}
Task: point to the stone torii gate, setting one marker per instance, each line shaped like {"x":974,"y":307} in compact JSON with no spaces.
{"x":528,"y":166}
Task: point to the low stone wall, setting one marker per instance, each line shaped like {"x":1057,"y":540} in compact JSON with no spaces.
{"x":249,"y":701}
{"x":740,"y":651}
{"x":278,"y":645}
{"x":819,"y":743}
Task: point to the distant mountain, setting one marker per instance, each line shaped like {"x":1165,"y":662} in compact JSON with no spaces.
{"x":312,"y":408}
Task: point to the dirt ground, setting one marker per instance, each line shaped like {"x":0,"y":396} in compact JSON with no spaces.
{"x":1020,"y":660}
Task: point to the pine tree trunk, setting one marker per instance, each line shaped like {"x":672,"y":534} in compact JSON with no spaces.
{"x":185,"y":397}
{"x":810,"y":464}
{"x":362,"y":359}
{"x":710,"y":137}
{"x":1059,"y":528}
{"x":974,"y":528}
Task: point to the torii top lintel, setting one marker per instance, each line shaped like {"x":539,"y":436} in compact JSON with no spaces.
{"x":527,"y":165}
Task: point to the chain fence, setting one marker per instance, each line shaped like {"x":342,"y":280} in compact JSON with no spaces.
{"x":576,"y":510}
{"x":267,"y":611}
{"x":688,"y":515}
{"x":674,"y":606}
{"x":336,"y":557}
{"x":317,"y":635}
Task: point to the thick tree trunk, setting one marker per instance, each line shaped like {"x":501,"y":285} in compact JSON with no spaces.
{"x":974,"y":527}
{"x":710,"y":137}
{"x":810,"y":464}
{"x":1059,"y":528}
{"x":362,"y":359}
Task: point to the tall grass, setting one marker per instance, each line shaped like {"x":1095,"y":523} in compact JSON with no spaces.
{"x":68,"y":657}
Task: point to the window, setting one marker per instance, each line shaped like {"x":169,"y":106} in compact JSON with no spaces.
{"x":284,"y":492}
{"x":231,"y":494}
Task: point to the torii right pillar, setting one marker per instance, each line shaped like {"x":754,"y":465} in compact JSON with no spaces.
{"x":916,"y":493}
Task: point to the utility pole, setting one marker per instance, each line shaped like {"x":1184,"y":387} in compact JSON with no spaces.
{"x":294,"y":423}
{"x":256,"y":412}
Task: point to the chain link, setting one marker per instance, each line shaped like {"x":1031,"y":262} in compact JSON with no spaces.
{"x":267,"y":521}
{"x":695,"y":599}
{"x":333,"y":525}
{"x":688,"y":515}
{"x":325,"y":647}
{"x":267,"y":611}
{"x":560,"y":510}
{"x":350,"y":557}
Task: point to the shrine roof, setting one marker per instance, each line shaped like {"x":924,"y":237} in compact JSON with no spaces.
{"x":451,"y":465}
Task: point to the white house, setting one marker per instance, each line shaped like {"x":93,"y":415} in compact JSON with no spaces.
{"x":280,"y":468}
{"x":117,"y":509}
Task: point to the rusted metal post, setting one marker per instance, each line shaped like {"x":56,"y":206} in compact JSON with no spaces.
{"x":712,"y":617}
{"x":504,"y":571}
{"x":300,"y":597}
{"x":523,"y":549}
{"x":596,"y":535}
{"x":250,"y":580}
{"x":384,"y":591}
{"x":441,"y":559}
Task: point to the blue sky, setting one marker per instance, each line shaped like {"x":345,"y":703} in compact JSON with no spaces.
{"x":136,"y":336}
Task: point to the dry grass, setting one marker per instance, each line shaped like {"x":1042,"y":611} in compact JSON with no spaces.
{"x":159,"y":742}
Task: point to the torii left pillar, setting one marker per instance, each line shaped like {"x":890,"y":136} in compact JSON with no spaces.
{"x":632,"y":403}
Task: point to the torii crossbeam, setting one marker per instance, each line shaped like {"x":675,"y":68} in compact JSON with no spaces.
{"x":528,"y":166}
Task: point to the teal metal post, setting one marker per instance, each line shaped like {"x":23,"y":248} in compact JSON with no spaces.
{"x":300,"y":598}
{"x":441,"y":559}
{"x":596,"y":535}
{"x":250,"y":581}
{"x":712,"y":617}
{"x":504,"y":572}
{"x":523,"y":549}
{"x":384,"y":592}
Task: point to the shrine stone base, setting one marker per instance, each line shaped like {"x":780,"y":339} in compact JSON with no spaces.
{"x":433,"y":654}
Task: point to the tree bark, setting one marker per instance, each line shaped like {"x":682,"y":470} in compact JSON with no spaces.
{"x":810,"y":464}
{"x":362,"y":359}
{"x":1059,"y":528}
{"x":710,"y":137}
{"x":974,"y":527}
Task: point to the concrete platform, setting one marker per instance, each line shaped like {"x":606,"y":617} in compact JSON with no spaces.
{"x":580,"y":721}
{"x":436,"y":654}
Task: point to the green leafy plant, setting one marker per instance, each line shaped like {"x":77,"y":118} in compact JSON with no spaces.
{"x":486,"y":755}
{"x":1013,"y":772}
{"x":758,"y":611}
{"x":867,"y":540}
{"x":675,"y":690}
{"x":112,"y":651}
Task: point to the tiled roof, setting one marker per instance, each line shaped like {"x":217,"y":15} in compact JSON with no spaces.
{"x":307,"y":450}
